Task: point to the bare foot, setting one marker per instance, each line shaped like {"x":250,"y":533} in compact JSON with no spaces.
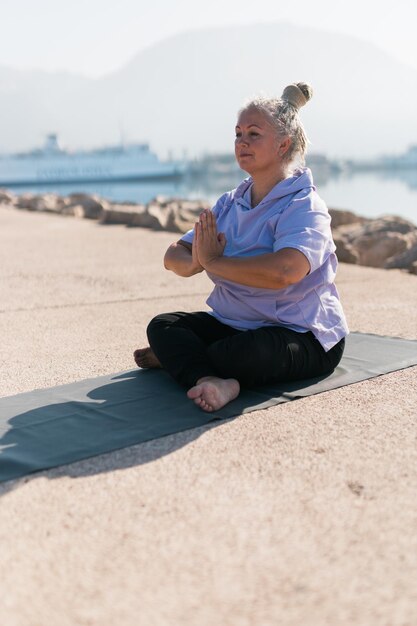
{"x":212,"y":393}
{"x":145,"y":357}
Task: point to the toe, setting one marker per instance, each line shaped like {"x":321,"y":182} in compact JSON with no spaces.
{"x":193,"y":393}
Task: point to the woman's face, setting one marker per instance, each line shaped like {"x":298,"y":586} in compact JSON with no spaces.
{"x":258,"y":148}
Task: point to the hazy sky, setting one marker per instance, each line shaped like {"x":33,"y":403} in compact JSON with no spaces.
{"x":94,"y":37}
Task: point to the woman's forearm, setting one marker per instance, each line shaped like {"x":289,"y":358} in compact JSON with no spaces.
{"x":275,"y":270}
{"x":179,"y":259}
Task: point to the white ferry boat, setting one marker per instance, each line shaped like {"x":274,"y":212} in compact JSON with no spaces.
{"x":51,"y":164}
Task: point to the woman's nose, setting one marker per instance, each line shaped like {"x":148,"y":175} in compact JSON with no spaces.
{"x":241,"y":140}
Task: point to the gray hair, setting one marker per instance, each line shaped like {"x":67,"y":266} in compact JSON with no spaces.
{"x":283,"y":114}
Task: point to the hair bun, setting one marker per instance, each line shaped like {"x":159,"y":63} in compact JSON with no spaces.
{"x":297,"y":94}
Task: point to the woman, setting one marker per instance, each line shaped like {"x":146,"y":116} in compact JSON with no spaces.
{"x":267,"y":246}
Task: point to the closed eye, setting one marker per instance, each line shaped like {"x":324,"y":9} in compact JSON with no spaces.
{"x":251,"y":134}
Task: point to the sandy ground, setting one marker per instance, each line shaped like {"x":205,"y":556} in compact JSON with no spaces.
{"x":302,"y":514}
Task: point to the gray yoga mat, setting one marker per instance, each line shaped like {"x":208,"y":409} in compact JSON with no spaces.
{"x":50,"y":427}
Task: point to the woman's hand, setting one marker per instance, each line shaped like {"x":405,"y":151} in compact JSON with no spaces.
{"x":196,"y":265}
{"x":208,"y":243}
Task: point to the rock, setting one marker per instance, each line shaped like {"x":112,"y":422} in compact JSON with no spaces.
{"x":157,"y":215}
{"x":176,"y":215}
{"x":386,"y":242}
{"x":122,"y":214}
{"x":345,"y":251}
{"x":86,"y":206}
{"x":189,"y":212}
{"x":194,"y":207}
{"x":413,"y":268}
{"x":7,"y":197}
{"x":27,"y":201}
{"x":146,"y":220}
{"x":407,"y":258}
{"x":371,"y":226}
{"x":375,"y":249}
{"x":160,"y":199}
{"x":49,"y":202}
{"x":183,"y":223}
{"x":164,"y":215}
{"x":341,"y":218}
{"x":388,"y":224}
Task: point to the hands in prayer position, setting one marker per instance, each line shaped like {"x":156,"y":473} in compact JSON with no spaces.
{"x":208,"y":243}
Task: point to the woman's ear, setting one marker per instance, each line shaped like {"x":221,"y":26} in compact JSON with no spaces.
{"x":284,"y":146}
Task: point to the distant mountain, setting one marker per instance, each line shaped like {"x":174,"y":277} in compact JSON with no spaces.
{"x":183,"y":93}
{"x":32,"y":103}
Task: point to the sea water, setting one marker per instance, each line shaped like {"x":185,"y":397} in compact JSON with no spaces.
{"x":374,"y":194}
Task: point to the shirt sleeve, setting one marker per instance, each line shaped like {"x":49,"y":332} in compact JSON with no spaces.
{"x":305,"y":226}
{"x":217,"y":209}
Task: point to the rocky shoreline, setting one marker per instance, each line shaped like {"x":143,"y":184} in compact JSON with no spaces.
{"x":387,"y":242}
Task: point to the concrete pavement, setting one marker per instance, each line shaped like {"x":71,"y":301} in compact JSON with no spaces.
{"x":301,"y":514}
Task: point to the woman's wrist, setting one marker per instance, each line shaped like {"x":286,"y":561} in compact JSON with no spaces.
{"x":211,"y":264}
{"x":196,"y":269}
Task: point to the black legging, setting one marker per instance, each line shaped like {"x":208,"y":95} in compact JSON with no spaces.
{"x":192,"y":345}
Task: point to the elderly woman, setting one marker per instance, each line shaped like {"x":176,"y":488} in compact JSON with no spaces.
{"x":267,"y":246}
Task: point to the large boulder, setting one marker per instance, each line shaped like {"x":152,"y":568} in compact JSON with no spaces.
{"x":122,"y":214}
{"x":389,"y":224}
{"x":407,"y":258}
{"x":388,"y":241}
{"x":176,"y":215}
{"x":343,"y":218}
{"x":83,"y":205}
{"x":345,"y":252}
{"x":29,"y":201}
{"x":374,"y":250}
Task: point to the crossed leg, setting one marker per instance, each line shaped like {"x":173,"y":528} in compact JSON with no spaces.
{"x":214,"y":360}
